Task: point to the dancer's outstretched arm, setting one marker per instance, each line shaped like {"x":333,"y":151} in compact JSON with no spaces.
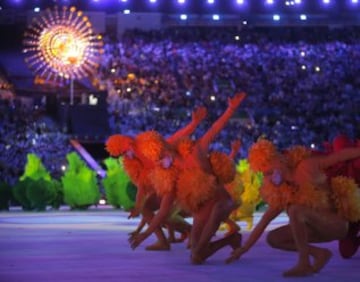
{"x":218,"y":125}
{"x":267,"y":217}
{"x":235,"y":147}
{"x":197,"y":116}
{"x":340,"y":156}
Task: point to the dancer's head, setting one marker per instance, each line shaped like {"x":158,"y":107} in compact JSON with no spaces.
{"x":118,"y":145}
{"x":262,"y":154}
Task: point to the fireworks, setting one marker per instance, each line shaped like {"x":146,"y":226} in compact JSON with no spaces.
{"x":60,"y":45}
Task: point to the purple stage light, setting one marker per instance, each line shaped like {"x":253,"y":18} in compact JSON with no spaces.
{"x":269,"y":2}
{"x":181,"y":1}
{"x":240,"y":2}
{"x":210,"y":1}
{"x":183,"y":17}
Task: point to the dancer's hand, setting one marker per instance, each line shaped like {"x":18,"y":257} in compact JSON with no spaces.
{"x":136,"y":239}
{"x":199,"y":114}
{"x":235,"y":101}
{"x":235,"y":145}
{"x":133,"y":233}
{"x":235,"y":255}
{"x":133,"y":213}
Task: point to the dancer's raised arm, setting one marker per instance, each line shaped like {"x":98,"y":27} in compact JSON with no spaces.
{"x":218,"y":125}
{"x":198,"y":116}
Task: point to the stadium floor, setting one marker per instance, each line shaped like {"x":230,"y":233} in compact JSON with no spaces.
{"x":92,"y":246}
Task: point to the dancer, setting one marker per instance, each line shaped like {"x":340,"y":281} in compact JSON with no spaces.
{"x":139,"y":168}
{"x":318,"y":212}
{"x":187,"y":176}
{"x":349,"y":245}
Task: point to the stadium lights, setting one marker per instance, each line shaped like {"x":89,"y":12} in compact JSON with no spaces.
{"x":276,"y":17}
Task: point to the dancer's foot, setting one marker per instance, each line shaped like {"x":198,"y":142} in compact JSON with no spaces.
{"x":321,"y":258}
{"x":350,"y":244}
{"x":232,"y":228}
{"x":299,"y":271}
{"x":235,"y":240}
{"x":158,"y":246}
{"x":196,"y":259}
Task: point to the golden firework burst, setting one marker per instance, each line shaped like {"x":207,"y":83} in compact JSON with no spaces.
{"x":61,"y":45}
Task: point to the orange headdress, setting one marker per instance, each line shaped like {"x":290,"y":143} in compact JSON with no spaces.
{"x":296,"y":154}
{"x":261,"y":154}
{"x":117,"y":144}
{"x":151,"y":144}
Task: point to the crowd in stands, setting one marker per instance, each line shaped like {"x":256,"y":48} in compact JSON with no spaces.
{"x":302,"y":83}
{"x":303,"y":87}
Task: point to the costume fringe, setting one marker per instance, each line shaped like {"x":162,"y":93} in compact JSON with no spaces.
{"x":296,"y":154}
{"x":260,"y":155}
{"x":151,"y":144}
{"x":164,"y":180}
{"x":346,"y":196}
{"x":184,"y":147}
{"x":194,"y":187}
{"x":138,"y":174}
{"x":223,"y":167}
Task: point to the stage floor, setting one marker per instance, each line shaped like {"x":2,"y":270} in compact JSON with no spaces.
{"x":92,"y":246}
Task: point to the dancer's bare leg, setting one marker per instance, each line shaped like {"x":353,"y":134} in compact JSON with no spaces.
{"x":210,"y":216}
{"x":162,"y":243}
{"x":324,"y":226}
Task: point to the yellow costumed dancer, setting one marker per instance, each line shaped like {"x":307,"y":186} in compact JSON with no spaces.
{"x":318,"y":208}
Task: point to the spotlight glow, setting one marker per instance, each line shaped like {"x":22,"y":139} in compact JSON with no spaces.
{"x":276,"y":17}
{"x":216,"y":17}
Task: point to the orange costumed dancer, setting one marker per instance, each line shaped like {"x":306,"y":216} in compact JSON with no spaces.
{"x":185,"y":175}
{"x":319,"y":208}
{"x":139,"y":167}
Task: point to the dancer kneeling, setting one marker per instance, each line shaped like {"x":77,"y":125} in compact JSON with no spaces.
{"x":185,"y":175}
{"x":318,"y":208}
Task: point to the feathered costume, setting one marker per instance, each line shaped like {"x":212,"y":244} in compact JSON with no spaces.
{"x":344,"y":195}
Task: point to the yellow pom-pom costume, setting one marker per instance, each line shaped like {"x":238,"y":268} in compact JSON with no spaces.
{"x":346,"y":196}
